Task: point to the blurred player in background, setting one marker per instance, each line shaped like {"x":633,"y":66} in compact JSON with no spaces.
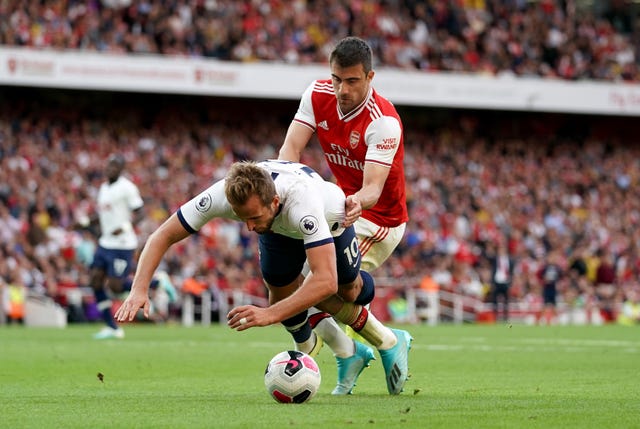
{"x":362,"y":138}
{"x":119,"y":209}
{"x":299,"y":218}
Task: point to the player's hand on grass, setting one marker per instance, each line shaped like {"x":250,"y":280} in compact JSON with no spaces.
{"x":129,"y":308}
{"x":248,"y":316}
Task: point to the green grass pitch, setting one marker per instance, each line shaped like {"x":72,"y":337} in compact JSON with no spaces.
{"x":470,"y":376}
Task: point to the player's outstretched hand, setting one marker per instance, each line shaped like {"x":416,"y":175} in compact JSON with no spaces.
{"x":353,"y":210}
{"x":248,"y":316}
{"x":129,"y":308}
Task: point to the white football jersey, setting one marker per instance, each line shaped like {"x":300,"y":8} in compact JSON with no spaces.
{"x":116,"y":203}
{"x":312,"y":209}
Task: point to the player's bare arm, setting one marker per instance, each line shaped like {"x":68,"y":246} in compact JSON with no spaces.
{"x":170,"y":232}
{"x":320,"y":284}
{"x":373,"y":182}
{"x":295,"y":141}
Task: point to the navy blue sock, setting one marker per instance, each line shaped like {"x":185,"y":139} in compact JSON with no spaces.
{"x":368,"y":291}
{"x":299,"y":327}
{"x":104,"y":306}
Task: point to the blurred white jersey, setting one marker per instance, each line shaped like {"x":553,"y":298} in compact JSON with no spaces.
{"x":116,"y":203}
{"x":312,"y":209}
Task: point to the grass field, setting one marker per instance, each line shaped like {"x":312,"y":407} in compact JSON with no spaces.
{"x":498,"y":376}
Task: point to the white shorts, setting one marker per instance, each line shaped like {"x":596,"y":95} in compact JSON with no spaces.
{"x":376,"y":242}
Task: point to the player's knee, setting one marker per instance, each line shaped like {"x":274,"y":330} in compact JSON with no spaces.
{"x":282,"y":291}
{"x":348,"y":295}
{"x":367,"y":291}
{"x":349,"y":291}
{"x":96,"y":281}
{"x":114,"y":284}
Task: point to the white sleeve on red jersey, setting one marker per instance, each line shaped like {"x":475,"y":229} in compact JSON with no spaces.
{"x":305,"y":114}
{"x":382,"y":138}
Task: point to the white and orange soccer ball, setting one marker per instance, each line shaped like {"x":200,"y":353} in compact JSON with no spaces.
{"x":292,"y":377}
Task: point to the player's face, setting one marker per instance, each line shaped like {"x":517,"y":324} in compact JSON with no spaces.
{"x":351,"y":85}
{"x":256,"y":215}
{"x":113,"y":170}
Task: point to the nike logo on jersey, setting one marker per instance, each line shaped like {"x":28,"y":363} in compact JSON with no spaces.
{"x":324,"y":125}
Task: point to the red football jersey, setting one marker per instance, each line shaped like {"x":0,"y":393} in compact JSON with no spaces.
{"x":372,"y":132}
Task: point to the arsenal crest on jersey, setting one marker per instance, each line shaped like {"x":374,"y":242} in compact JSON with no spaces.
{"x":354,"y":138}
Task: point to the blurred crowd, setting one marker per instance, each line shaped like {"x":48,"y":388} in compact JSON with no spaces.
{"x":565,"y":39}
{"x":556,"y":189}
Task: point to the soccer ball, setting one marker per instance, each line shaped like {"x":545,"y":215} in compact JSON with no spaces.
{"x":292,"y":377}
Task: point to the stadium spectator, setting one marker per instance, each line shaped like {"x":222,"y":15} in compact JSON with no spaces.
{"x":606,"y":285}
{"x":14,"y":297}
{"x":629,"y":315}
{"x":502,"y":268}
{"x":550,"y":276}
